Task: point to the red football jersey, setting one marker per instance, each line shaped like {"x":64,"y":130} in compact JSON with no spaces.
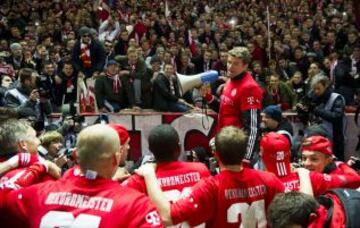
{"x":321,"y":182}
{"x":80,"y":202}
{"x":343,"y":169}
{"x":238,"y":96}
{"x":174,"y":178}
{"x":229,"y":199}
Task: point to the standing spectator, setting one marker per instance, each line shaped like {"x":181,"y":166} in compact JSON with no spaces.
{"x":329,"y":107}
{"x":88,"y":54}
{"x":347,"y":75}
{"x":140,"y":82}
{"x":278,"y":93}
{"x":109,"y":29}
{"x":109,"y":51}
{"x":121,"y":45}
{"x":212,"y":200}
{"x":16,"y":59}
{"x":297,"y":85}
{"x":66,"y":85}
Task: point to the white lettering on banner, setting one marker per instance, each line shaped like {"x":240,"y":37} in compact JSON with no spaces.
{"x":183,"y":124}
{"x":144,"y":124}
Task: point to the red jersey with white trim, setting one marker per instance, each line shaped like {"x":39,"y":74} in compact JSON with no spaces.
{"x":173,"y":177}
{"x":229,"y":199}
{"x":321,"y":182}
{"x":239,"y":95}
{"x":81,"y":202}
{"x":343,"y":169}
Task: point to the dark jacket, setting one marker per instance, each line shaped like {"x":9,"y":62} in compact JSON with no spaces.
{"x":104,"y":91}
{"x":162,"y":94}
{"x":335,"y":116}
{"x":97,"y":55}
{"x":18,"y":98}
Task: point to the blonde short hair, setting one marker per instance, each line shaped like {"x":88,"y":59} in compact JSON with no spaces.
{"x":241,"y":53}
{"x":51,"y":136}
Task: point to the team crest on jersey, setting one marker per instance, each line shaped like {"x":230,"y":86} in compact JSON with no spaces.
{"x":251,"y":100}
{"x":233,"y":92}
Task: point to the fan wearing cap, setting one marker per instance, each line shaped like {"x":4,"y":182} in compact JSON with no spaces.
{"x":275,"y":154}
{"x":274,"y":122}
{"x":317,"y":155}
{"x":114,"y":91}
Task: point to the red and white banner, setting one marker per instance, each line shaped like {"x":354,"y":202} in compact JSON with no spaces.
{"x":195,"y":129}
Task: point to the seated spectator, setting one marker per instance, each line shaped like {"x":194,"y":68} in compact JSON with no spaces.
{"x":113,"y":91}
{"x":278,"y":93}
{"x":25,"y":97}
{"x":166,"y":92}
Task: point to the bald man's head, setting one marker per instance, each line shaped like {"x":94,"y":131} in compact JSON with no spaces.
{"x":96,"y":147}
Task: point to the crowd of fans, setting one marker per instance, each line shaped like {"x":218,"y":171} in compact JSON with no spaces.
{"x":109,"y":56}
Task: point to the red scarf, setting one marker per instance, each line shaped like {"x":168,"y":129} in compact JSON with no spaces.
{"x":85,"y":55}
{"x":116,"y":82}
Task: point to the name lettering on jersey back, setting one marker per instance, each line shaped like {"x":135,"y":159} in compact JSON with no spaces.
{"x":252,"y":192}
{"x":292,"y":186}
{"x":79,"y":201}
{"x":192,"y":177}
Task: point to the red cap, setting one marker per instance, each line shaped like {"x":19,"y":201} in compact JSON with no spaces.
{"x":276,"y":153}
{"x":122,"y":132}
{"x":318,"y":144}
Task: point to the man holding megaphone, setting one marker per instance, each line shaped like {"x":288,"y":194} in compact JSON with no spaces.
{"x":240,"y":102}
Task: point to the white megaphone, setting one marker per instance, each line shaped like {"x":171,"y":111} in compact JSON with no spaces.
{"x":187,"y":82}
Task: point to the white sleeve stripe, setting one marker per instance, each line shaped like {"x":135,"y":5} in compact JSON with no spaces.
{"x":253,"y":133}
